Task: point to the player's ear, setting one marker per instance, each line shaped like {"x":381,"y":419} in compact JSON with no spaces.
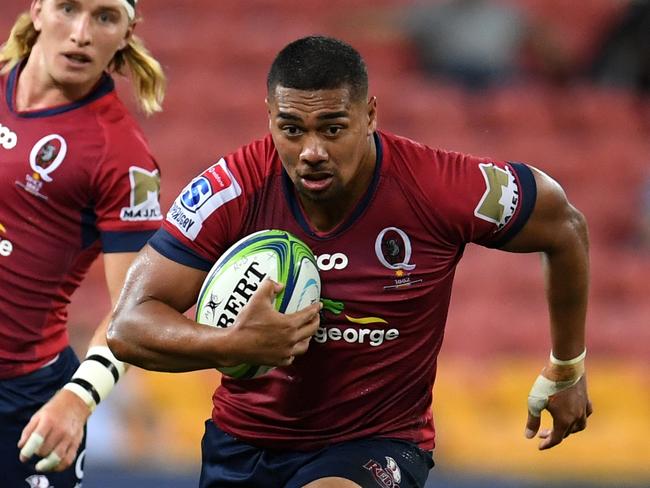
{"x":35,"y":10}
{"x":268,"y":110}
{"x":372,"y":115}
{"x":128,"y":35}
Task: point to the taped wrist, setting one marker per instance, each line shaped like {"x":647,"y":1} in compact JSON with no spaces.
{"x":559,"y":375}
{"x":96,"y":376}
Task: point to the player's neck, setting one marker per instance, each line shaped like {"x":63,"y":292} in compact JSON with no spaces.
{"x":37,"y":90}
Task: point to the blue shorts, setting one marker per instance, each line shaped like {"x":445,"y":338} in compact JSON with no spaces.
{"x":371,"y":463}
{"x":20,"y":398}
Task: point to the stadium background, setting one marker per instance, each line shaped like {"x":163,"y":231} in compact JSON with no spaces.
{"x":594,"y":140}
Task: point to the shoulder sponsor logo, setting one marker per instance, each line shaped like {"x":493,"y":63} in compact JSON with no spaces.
{"x":499,"y":202}
{"x":6,"y":247}
{"x":327,"y":262}
{"x":145,"y":192}
{"x":8,"y":138}
{"x":205,"y":194}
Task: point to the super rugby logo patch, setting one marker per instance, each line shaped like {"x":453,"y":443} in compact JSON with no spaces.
{"x":145,"y":191}
{"x":205,"y":194}
{"x":499,"y":202}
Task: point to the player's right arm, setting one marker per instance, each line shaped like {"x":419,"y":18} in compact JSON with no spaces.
{"x":149,"y":329}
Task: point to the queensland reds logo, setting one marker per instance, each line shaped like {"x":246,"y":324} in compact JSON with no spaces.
{"x":393,"y":249}
{"x":47,"y":155}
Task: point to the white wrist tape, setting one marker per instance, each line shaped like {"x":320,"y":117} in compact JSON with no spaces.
{"x":96,"y":376}
{"x":568,"y":362}
{"x":544,"y":388}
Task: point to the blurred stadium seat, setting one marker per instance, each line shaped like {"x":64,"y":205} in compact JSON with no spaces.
{"x":595,"y":142}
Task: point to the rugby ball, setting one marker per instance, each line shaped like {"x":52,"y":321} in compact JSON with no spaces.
{"x":237,"y":274}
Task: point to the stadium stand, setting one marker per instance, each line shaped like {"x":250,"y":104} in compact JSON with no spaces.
{"x":595,"y":141}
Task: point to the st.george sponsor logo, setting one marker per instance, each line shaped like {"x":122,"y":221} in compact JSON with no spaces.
{"x":215,"y":187}
{"x":8,"y":138}
{"x":6,"y":247}
{"x":373,"y":337}
{"x":353,"y":335}
{"x":145,"y":190}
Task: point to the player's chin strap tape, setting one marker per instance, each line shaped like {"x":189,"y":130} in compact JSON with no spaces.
{"x":96,"y":376}
{"x":565,"y":374}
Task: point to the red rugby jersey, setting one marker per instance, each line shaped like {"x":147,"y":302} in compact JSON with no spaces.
{"x":386,"y":273}
{"x":75,"y":180}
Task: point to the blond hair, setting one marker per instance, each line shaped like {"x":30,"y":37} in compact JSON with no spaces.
{"x":146,"y":73}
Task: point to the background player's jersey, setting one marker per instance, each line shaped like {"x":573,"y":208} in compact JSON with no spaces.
{"x":75,"y":180}
{"x":386,"y":273}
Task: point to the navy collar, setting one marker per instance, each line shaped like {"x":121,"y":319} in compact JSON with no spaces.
{"x":294,"y":204}
{"x":104,"y":86}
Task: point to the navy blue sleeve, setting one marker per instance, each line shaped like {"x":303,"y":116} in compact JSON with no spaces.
{"x":125,"y":241}
{"x":170,"y":247}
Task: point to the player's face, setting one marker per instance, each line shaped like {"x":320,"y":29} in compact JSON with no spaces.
{"x":78,"y":39}
{"x":324,"y":139}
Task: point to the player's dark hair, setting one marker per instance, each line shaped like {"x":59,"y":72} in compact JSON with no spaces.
{"x":319,"y":63}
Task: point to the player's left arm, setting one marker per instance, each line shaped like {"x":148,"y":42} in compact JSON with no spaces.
{"x":558,"y":231}
{"x":54,"y":433}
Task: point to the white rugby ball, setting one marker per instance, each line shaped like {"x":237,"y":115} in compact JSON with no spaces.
{"x":237,"y":274}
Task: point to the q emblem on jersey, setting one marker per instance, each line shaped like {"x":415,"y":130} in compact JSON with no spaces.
{"x":393,"y":249}
{"x":145,"y":190}
{"x":499,"y":202}
{"x":45,"y":157}
{"x":205,"y":194}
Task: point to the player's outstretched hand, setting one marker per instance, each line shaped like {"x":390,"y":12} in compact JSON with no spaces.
{"x":262,"y":335}
{"x":569,"y":409}
{"x":55,"y":432}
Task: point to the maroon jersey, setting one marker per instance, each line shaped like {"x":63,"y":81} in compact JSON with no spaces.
{"x":386,"y":274}
{"x":75,"y":180}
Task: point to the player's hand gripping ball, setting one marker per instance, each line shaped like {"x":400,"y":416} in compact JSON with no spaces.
{"x":237,"y":274}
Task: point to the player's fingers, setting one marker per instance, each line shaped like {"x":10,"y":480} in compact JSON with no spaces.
{"x":532,"y":426}
{"x":33,"y":444}
{"x":269,"y":289}
{"x":288,"y":361}
{"x":555,"y":435}
{"x":308,"y":317}
{"x":27,"y":431}
{"x":49,"y":462}
{"x":578,"y":425}
{"x":301,"y":347}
